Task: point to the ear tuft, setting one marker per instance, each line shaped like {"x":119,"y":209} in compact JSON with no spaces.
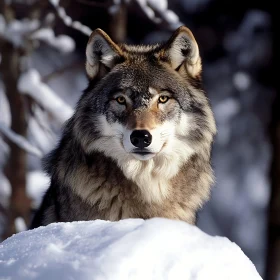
{"x":101,"y":53}
{"x":182,"y":52}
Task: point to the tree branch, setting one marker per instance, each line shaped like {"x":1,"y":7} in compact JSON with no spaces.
{"x":61,"y":71}
{"x":60,"y":11}
{"x":30,"y":84}
{"x":160,"y":14}
{"x":20,"y":141}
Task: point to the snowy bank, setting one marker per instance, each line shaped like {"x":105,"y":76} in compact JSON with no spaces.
{"x":128,"y":249}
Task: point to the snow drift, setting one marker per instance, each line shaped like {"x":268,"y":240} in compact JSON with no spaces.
{"x":128,"y":249}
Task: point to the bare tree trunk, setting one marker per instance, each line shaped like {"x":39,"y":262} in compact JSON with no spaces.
{"x":118,"y":24}
{"x":273,"y":253}
{"x":16,"y":166}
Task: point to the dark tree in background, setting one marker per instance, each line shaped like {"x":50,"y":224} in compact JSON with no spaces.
{"x":20,"y":22}
{"x":273,"y":255}
{"x":16,"y":165}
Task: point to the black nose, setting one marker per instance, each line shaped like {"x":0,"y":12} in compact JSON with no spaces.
{"x":141,"y":138}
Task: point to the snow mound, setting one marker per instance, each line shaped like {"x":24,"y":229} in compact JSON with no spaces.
{"x":128,"y":249}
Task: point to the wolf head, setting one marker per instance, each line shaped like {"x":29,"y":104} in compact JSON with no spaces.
{"x":144,"y":106}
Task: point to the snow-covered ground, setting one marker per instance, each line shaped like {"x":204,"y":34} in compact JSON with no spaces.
{"x":128,"y":249}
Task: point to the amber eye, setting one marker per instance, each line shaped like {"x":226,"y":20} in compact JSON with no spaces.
{"x":163,"y":99}
{"x":121,"y":100}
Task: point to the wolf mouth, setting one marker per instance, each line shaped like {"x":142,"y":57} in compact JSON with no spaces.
{"x":142,"y":152}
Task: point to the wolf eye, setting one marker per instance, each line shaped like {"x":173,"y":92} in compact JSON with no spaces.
{"x":121,"y":100}
{"x":163,"y":99}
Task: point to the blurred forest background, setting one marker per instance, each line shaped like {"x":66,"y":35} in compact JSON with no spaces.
{"x":42,"y":46}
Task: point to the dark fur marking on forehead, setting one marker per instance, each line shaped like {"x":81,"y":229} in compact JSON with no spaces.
{"x":143,"y":94}
{"x":113,"y":116}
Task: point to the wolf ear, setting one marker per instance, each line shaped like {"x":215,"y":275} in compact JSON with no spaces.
{"x":182,"y":52}
{"x":102,"y":54}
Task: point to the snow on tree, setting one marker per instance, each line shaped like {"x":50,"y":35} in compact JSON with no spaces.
{"x":29,"y":98}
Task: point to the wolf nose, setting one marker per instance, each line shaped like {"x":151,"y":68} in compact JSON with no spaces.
{"x":141,"y":138}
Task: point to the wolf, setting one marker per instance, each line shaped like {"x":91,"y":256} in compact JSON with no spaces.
{"x":139,"y":143}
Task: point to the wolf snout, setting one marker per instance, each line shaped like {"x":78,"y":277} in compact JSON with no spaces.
{"x":141,"y":138}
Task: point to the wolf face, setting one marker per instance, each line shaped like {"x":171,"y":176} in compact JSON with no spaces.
{"x":145,"y":107}
{"x":139,"y":143}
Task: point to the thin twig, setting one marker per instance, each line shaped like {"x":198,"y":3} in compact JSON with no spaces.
{"x":61,"y":13}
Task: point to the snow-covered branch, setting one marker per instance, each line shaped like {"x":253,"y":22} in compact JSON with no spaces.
{"x":62,"y":43}
{"x":20,"y":31}
{"x":20,"y":141}
{"x":30,"y":84}
{"x":16,"y":31}
{"x":158,"y":12}
{"x":68,"y":20}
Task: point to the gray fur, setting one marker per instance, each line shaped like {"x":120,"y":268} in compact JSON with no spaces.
{"x":95,"y":176}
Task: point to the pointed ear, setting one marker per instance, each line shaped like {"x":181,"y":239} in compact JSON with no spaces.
{"x":182,"y":52}
{"x":102,"y":54}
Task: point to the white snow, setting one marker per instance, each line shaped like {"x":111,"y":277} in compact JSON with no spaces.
{"x":5,"y":190}
{"x":19,"y":140}
{"x":30,"y":83}
{"x":54,"y":2}
{"x":2,"y":24}
{"x":241,"y":81}
{"x":68,"y":20}
{"x":63,"y":43}
{"x":17,"y":31}
{"x":161,"y":5}
{"x":36,"y":183}
{"x":259,"y":192}
{"x":128,"y":249}
{"x":40,"y":132}
{"x":20,"y":224}
{"x":158,"y":12}
{"x":5,"y":116}
{"x":224,"y":111}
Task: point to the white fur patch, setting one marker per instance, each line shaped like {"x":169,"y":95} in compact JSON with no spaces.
{"x":152,"y":176}
{"x":153,"y":91}
{"x":185,"y":41}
